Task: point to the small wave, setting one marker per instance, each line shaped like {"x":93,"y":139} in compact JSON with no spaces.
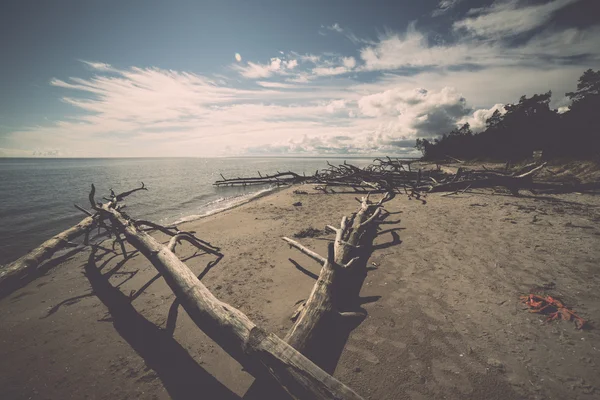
{"x":224,"y":203}
{"x":193,"y":199}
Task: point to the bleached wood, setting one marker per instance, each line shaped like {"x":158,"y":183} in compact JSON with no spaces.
{"x":317,"y":257}
{"x":32,"y":260}
{"x":317,"y":308}
{"x":322,"y":305}
{"x":261,"y":353}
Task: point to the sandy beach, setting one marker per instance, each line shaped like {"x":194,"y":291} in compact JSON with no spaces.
{"x":442,"y":296}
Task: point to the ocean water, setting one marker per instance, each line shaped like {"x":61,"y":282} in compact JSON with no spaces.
{"x":37,"y":195}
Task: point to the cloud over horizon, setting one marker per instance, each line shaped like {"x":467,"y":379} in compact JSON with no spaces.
{"x":375,"y":99}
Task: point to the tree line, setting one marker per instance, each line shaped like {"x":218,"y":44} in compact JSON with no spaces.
{"x":527,"y":126}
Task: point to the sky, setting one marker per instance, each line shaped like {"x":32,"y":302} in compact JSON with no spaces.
{"x":145,"y":78}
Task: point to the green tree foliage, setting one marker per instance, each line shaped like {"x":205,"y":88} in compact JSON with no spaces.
{"x":527,"y":126}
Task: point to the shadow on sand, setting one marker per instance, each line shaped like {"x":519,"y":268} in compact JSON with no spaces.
{"x":180,"y":374}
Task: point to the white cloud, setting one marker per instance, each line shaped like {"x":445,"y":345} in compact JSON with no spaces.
{"x":153,"y":112}
{"x":300,"y":78}
{"x":99,"y":66}
{"x":150,"y":111}
{"x":412,"y":49}
{"x":478,"y":119}
{"x":309,"y":103}
{"x":253,"y":70}
{"x":349,"y":62}
{"x":488,"y":86}
{"x":256,"y":70}
{"x":559,"y":46}
{"x":335,"y":27}
{"x":444,"y":6}
{"x":275,"y":64}
{"x":416,"y":112}
{"x":277,"y":85}
{"x":509,"y":18}
{"x":329,"y":71}
{"x":291,"y":64}
{"x":339,"y":144}
{"x":335,"y":106}
{"x":336,"y":66}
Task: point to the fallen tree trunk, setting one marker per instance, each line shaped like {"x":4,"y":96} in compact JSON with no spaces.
{"x":260,"y":352}
{"x":339,"y":260}
{"x":280,"y":178}
{"x":389,"y":175}
{"x":320,"y":305}
{"x":27,"y":264}
{"x":491,"y":179}
{"x":323,"y":303}
{"x":323,"y":310}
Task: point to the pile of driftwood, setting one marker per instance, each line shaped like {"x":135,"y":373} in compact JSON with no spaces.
{"x":402,"y":175}
{"x":392,"y":175}
{"x":290,"y":367}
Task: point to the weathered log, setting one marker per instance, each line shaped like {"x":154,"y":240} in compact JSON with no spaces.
{"x":279,"y":178}
{"x":308,"y":252}
{"x":32,"y":260}
{"x":193,"y":240}
{"x":312,"y":318}
{"x":389,"y":175}
{"x":317,"y":317}
{"x":320,"y":304}
{"x":491,"y":179}
{"x":260,"y":352}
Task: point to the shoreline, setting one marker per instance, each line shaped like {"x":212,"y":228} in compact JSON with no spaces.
{"x":246,"y":198}
{"x":442,"y":304}
{"x":35,"y":208}
{"x":250,"y":197}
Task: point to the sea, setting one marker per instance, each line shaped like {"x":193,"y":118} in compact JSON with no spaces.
{"x":37,"y":195}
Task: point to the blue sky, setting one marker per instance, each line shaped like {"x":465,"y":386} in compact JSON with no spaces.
{"x":202,"y":78}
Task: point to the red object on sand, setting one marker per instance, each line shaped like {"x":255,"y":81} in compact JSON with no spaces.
{"x":554,"y":308}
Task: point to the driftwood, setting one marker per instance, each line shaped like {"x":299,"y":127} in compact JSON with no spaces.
{"x":261,"y":353}
{"x":323,"y":302}
{"x":11,"y":275}
{"x":389,"y":175}
{"x":511,"y":182}
{"x":293,"y":363}
{"x":327,"y":304}
{"x":281,"y":178}
{"x":381,"y":175}
{"x":28,"y":263}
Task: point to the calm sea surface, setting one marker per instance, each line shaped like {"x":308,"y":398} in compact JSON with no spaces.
{"x":37,"y":195}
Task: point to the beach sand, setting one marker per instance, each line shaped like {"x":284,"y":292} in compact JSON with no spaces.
{"x":444,"y":317}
